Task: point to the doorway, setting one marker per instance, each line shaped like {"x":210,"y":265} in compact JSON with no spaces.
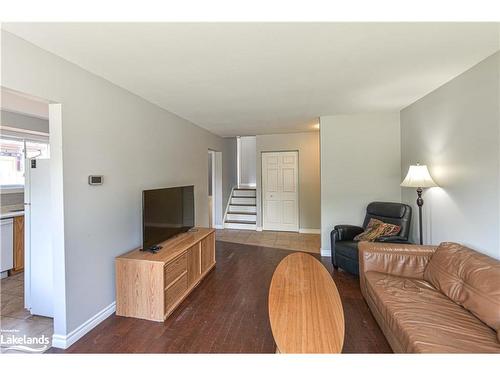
{"x":27,"y":200}
{"x":211,"y":178}
{"x":215,"y":210}
{"x":246,"y":154}
{"x":280,"y":196}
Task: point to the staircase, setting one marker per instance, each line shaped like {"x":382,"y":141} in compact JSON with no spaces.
{"x":242,"y":212}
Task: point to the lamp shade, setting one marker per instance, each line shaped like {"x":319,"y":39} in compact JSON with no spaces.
{"x":418,"y":176}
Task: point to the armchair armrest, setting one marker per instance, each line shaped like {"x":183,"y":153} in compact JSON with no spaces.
{"x":347,"y":232}
{"x":342,"y":233}
{"x":393,"y":239}
{"x":394,"y":259}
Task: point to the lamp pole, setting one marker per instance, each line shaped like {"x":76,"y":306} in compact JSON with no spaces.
{"x":420,"y":203}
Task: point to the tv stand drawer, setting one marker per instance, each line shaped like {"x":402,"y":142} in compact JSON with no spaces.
{"x":175,"y":291}
{"x":175,"y":268}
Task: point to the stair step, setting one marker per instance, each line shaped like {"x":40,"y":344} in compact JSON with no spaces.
{"x":241,"y":221}
{"x":243,"y":200}
{"x":235,"y":208}
{"x":239,"y":225}
{"x":244,"y":193}
{"x":241,"y":216}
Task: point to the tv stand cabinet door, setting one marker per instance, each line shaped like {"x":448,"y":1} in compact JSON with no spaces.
{"x":139,"y":289}
{"x":207,"y":252}
{"x":193,"y":264}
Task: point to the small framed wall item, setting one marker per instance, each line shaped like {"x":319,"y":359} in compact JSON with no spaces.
{"x":95,"y":180}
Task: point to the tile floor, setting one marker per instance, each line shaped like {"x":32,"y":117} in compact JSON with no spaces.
{"x":280,"y":240}
{"x":17,"y":321}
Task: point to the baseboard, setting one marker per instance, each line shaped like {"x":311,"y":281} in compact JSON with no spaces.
{"x":219,"y":226}
{"x":301,"y":230}
{"x":65,"y":341}
{"x":326,"y":253}
{"x":309,"y":231}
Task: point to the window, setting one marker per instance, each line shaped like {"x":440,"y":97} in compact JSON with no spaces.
{"x":12,"y":159}
{"x":11,"y":163}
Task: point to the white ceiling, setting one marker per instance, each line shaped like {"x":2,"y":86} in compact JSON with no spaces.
{"x":258,"y":78}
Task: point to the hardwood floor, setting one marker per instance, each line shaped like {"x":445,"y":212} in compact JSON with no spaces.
{"x":228,"y":313}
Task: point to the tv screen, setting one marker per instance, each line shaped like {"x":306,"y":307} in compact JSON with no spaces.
{"x":166,"y":213}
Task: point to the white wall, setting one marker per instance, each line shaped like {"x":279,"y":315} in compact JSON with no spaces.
{"x":133,"y":143}
{"x":22,"y":121}
{"x":247,"y":160}
{"x":455,"y":131}
{"x":24,"y":104}
{"x":229,"y":169}
{"x":360,"y":163}
{"x":307,"y":144}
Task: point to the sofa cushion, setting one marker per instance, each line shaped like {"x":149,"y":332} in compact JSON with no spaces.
{"x":423,"y":320}
{"x":348,"y":249}
{"x":468,"y":278}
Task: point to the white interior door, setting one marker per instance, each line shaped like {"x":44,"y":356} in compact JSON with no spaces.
{"x":280,"y":177}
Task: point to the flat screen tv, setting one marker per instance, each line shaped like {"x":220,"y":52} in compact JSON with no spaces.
{"x":166,"y":213}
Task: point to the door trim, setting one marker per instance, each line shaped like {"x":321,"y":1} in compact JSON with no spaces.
{"x":297,"y":180}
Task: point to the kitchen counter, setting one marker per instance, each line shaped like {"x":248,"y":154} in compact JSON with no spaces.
{"x":11,"y":211}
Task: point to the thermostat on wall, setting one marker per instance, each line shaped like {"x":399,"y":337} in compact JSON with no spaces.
{"x":95,"y":180}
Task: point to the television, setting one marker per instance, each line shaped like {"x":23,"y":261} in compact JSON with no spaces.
{"x":166,"y":213}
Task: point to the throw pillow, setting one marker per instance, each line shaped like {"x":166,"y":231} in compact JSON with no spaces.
{"x":377,"y":228}
{"x":373,"y":224}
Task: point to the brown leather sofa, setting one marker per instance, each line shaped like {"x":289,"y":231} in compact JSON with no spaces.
{"x":429,"y":299}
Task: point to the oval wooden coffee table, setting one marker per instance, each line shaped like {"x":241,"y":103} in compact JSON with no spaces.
{"x":305,"y":309}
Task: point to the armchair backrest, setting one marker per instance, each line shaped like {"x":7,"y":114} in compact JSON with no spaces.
{"x":389,"y":212}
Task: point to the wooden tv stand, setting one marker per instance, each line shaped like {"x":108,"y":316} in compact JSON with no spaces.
{"x":150,"y":286}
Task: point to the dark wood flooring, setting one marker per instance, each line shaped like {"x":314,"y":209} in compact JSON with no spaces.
{"x":227,"y":313}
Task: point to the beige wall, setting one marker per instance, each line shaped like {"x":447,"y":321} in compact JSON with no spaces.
{"x":360,"y":163}
{"x":307,"y":144}
{"x":455,"y":130}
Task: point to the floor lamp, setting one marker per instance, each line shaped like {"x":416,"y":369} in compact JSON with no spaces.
{"x":419,"y":177}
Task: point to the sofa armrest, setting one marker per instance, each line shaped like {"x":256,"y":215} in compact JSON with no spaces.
{"x":393,"y":239}
{"x":394,"y":258}
{"x":347,"y":232}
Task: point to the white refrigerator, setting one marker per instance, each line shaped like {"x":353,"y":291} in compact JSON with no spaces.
{"x":38,"y":278}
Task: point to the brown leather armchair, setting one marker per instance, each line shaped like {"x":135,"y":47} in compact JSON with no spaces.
{"x":429,"y":299}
